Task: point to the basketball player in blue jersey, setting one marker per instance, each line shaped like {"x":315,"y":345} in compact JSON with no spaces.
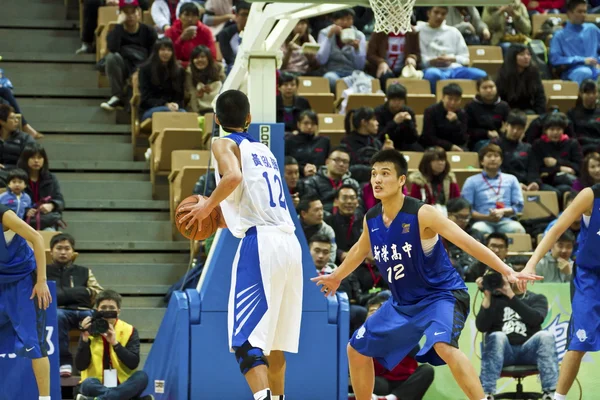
{"x":24,"y":296}
{"x":584,"y":328}
{"x":429,"y":298}
{"x":265,"y":302}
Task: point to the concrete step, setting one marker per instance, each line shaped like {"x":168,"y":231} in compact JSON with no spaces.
{"x":96,"y":166}
{"x":69,"y":57}
{"x":125,"y":231}
{"x":81,"y":127}
{"x":42,"y":10}
{"x":25,"y":90}
{"x":143,"y":301}
{"x":107,"y":190}
{"x":32,"y":41}
{"x":95,"y":204}
{"x":85,"y":151}
{"x":90,"y":259}
{"x":26,"y":102}
{"x":101,"y":176}
{"x":115,"y":216}
{"x":22,"y":21}
{"x":87,"y":138}
{"x":145,"y":320}
{"x":50,"y":75}
{"x":73,"y":115}
{"x":162,"y":246}
{"x":136,"y":277}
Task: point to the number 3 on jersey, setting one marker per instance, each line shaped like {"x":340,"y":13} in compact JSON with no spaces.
{"x":277,"y":181}
{"x":397,"y":270}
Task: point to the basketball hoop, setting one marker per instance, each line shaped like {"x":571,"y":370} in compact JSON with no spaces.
{"x":392,"y":15}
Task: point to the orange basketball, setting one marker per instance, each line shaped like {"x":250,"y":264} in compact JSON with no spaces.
{"x":209,"y":225}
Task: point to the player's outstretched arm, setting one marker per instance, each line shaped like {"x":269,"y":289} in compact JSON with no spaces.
{"x":356,"y":255}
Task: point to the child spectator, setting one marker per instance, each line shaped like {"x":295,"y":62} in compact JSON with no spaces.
{"x":13,"y":140}
{"x":15,"y":198}
{"x":289,"y":104}
{"x":397,"y":120}
{"x":308,"y":148}
{"x":468,"y":22}
{"x":508,"y":24}
{"x":485,"y":114}
{"x":389,"y":53}
{"x":590,"y":172}
{"x":188,"y":32}
{"x":585,"y":116}
{"x":161,"y":81}
{"x":229,"y":38}
{"x":295,"y":60}
{"x":445,"y":123}
{"x":204,"y":79}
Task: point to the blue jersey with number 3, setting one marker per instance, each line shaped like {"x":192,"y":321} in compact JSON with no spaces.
{"x":412,"y":276}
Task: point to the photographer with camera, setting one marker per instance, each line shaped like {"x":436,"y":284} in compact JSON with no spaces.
{"x":109,"y":353}
{"x":512,"y":323}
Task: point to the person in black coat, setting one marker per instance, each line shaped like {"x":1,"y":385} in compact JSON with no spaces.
{"x":12,"y":141}
{"x":43,"y":188}
{"x":585,"y":116}
{"x":397,"y":120}
{"x":485,"y":114}
{"x":289,"y":105}
{"x":308,"y":148}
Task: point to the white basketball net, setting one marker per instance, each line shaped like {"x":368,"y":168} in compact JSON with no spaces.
{"x":392,"y":15}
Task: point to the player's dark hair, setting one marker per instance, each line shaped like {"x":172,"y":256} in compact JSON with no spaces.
{"x":497,"y":235}
{"x":109,"y":294}
{"x":452,"y":89}
{"x":396,"y":91}
{"x":343,"y":13}
{"x":457,"y":204}
{"x":567,"y":236}
{"x":517,"y":118}
{"x":289,"y":160}
{"x":345,"y":186}
{"x":17,"y":174}
{"x":490,"y":148}
{"x":339,"y":148}
{"x":189,"y":8}
{"x":310,"y":114}
{"x":317,"y":237}
{"x":392,"y":156}
{"x":481,"y":81}
{"x":572,"y":4}
{"x":5,"y":111}
{"x":61,"y":237}
{"x":286,"y":77}
{"x":304,"y":204}
{"x":232,"y":109}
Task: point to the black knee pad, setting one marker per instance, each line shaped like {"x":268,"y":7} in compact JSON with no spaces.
{"x":249,"y":357}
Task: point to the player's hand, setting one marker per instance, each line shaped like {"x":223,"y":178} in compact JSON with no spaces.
{"x":330,"y":283}
{"x":110,"y":335}
{"x":42,"y":292}
{"x":196,"y":212}
{"x":523,"y":277}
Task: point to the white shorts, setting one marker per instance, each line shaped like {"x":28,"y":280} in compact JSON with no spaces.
{"x":265,"y":300}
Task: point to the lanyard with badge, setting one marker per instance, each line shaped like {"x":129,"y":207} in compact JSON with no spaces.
{"x":110,"y":374}
{"x":497,"y":197}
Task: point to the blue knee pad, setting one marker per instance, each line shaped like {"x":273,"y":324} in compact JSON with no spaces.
{"x":249,"y":357}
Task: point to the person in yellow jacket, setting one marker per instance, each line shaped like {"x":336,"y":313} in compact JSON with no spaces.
{"x":108,"y":361}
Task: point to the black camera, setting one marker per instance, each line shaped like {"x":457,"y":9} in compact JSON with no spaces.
{"x":99,"y":323}
{"x":492,"y":281}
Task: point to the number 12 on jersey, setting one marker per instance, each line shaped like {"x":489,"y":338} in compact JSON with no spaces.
{"x":277,"y":181}
{"x":398,"y":272}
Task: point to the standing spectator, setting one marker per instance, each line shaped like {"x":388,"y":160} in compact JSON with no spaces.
{"x":389,"y":53}
{"x":346,"y":220}
{"x":519,"y":82}
{"x":6,"y":97}
{"x":76,"y":289}
{"x":486,"y":114}
{"x":397,"y":120}
{"x":443,"y":49}
{"x":230,"y":37}
{"x":204,"y":79}
{"x":12,"y":140}
{"x":445,"y":123}
{"x":306,"y":146}
{"x":343,"y":47}
{"x":557,"y":266}
{"x":291,"y":174}
{"x":468,"y":22}
{"x":585,"y":116}
{"x":434,"y":183}
{"x":508,"y":24}
{"x":43,"y":188}
{"x":512,"y":323}
{"x":164,"y":13}
{"x":295,"y":60}
{"x":188,"y":32}
{"x":15,"y":199}
{"x":544,"y":6}
{"x":288,"y":104}
{"x":218,"y":14}
{"x":129,"y":46}
{"x":161,"y":81}
{"x":590,"y":173}
{"x":310,"y":211}
{"x":574,"y":49}
{"x":495,"y":196}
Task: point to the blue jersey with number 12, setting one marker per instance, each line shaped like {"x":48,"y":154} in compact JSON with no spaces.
{"x":412,"y":276}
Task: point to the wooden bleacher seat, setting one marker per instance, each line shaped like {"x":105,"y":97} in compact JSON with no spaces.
{"x":561,"y":93}
{"x":519,"y":243}
{"x":419,"y":122}
{"x":539,"y":204}
{"x":147,"y":18}
{"x":321,"y":103}
{"x":418,"y":96}
{"x":530,"y":118}
{"x":468,"y":87}
{"x":487,"y":58}
{"x":106,"y":16}
{"x":332,"y":125}
{"x":313,"y":84}
{"x":463,"y":173}
{"x":138,"y":128}
{"x":171,"y":131}
{"x":413,"y":158}
{"x":372,"y":100}
{"x":102,"y":51}
{"x":463,"y":159}
{"x":538,"y":20}
{"x":340,"y":86}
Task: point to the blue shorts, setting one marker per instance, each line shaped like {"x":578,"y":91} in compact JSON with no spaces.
{"x":22,"y":322}
{"x":394,"y":330}
{"x":584,"y":327}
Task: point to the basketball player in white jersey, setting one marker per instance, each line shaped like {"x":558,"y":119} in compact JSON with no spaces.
{"x":265,"y":301}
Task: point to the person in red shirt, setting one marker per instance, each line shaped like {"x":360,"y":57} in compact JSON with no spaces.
{"x":188,"y":32}
{"x":544,"y":6}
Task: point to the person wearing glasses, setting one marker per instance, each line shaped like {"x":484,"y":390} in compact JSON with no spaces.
{"x":459,"y":212}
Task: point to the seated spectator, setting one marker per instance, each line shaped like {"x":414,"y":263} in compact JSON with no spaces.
{"x":512,"y":323}
{"x":161,"y":81}
{"x":468,"y":22}
{"x":495,"y":197}
{"x":508,"y":24}
{"x":43,"y":188}
{"x":218,"y":14}
{"x":204,"y":79}
{"x":459,"y":212}
{"x":230,"y":37}
{"x":397,"y":120}
{"x":590,"y":172}
{"x":557,"y":266}
{"x":164,"y":13}
{"x":76,"y":288}
{"x":289,"y":104}
{"x":434,"y":183}
{"x":519,"y":82}
{"x":129,"y":45}
{"x":6,"y":97}
{"x":188,"y":32}
{"x":516,"y":153}
{"x":15,"y":197}
{"x":306,"y":146}
{"x":443,"y":50}
{"x":556,"y":158}
{"x":310,"y":211}
{"x":291,"y":174}
{"x":486,"y":114}
{"x":544,"y":6}
{"x":498,"y":243}
{"x":343,"y":47}
{"x":320,"y":250}
{"x":331,"y":177}
{"x":13,"y":140}
{"x":389,"y":53}
{"x":361,"y":141}
{"x":117,"y":351}
{"x":206,"y":184}
{"x":574,"y":49}
{"x":585,"y":116}
{"x":445,"y":123}
{"x":295,"y":60}
{"x":535,"y":130}
{"x":575,"y":226}
{"x":346,"y":219}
